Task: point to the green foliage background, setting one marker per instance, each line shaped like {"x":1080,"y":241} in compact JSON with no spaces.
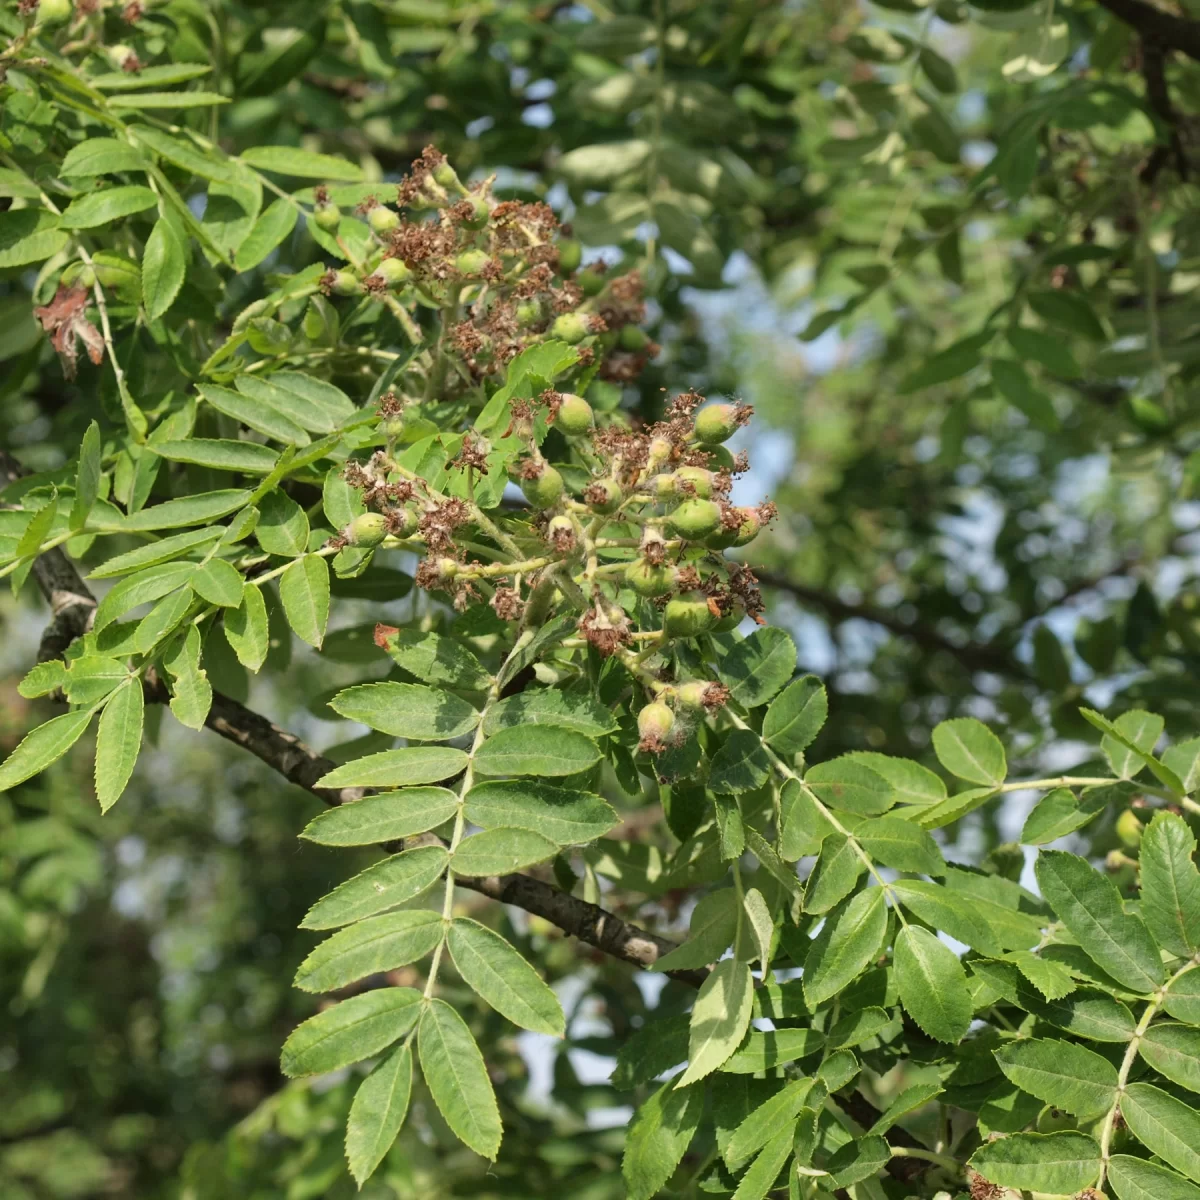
{"x":947,"y":253}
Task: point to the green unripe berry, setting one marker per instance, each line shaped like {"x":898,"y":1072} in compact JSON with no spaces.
{"x":404,"y":521}
{"x":658,"y":453}
{"x":345,"y":283}
{"x":591,"y":280}
{"x":367,"y":529}
{"x":687,"y":616}
{"x":701,"y":481}
{"x":480,"y":212}
{"x":571,"y":328}
{"x":546,"y":490}
{"x":472,"y":262}
{"x":118,"y":54}
{"x":570,"y":253}
{"x":382,"y":220}
{"x":78,"y":274}
{"x":393,"y":271}
{"x":633,"y":339}
{"x":603,"y":496}
{"x":655,"y":723}
{"x":117,"y":272}
{"x":1129,"y":829}
{"x":666,"y":486}
{"x":447,"y":568}
{"x":327,"y":217}
{"x":445,"y":175}
{"x":694,"y":694}
{"x":716,"y":423}
{"x":648,"y":580}
{"x":529,"y":312}
{"x":574,"y":415}
{"x":732,"y":619}
{"x":53,"y":12}
{"x":695,"y":519}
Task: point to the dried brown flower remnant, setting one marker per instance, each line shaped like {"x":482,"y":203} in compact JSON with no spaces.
{"x":439,"y":521}
{"x":608,"y":632}
{"x":507,"y":604}
{"x":132,"y":12}
{"x":474,"y":454}
{"x":981,"y":1189}
{"x":412,"y":185}
{"x":65,"y":320}
{"x":131,"y":64}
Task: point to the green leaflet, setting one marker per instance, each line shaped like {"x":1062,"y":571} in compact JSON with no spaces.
{"x":932,"y":984}
{"x":109,"y":204}
{"x":857,"y":1027}
{"x":303,"y":164}
{"x":758,"y":666}
{"x":350,"y":1031}
{"x":304,"y":591}
{"x":760,"y":1176}
{"x":247,"y":628}
{"x":282,"y":526}
{"x":1174,"y":1051}
{"x":796,"y":715}
{"x":433,"y":658}
{"x":1059,"y":812}
{"x":850,"y":938}
{"x":494,"y":969}
{"x":1138,"y":727}
{"x":847,"y":784}
{"x":1137,"y":1179}
{"x":393,"y":881}
{"x":762,"y":926}
{"x":254,"y":416}
{"x":909,"y":1100}
{"x":900,"y":844}
{"x":659,"y":1135}
{"x":548,"y":706}
{"x":969,"y":750}
{"x":1089,"y":1014}
{"x":222,"y":454}
{"x":457,"y":1078}
{"x":1089,"y":904}
{"x":1059,"y":1163}
{"x":87,"y":477}
{"x":1171,"y":884}
{"x":657,"y":1046}
{"x":407,"y":710}
{"x":1182,"y":1000}
{"x":720,"y":1018}
{"x":274,"y":224}
{"x":740,"y":765}
{"x":200,"y":509}
{"x":527,"y":750}
{"x":565,"y":817}
{"x":711,"y":932}
{"x":836,"y":872}
{"x":911,"y":782}
{"x":157,"y":552}
{"x":1051,"y":979}
{"x":1069,"y":1076}
{"x":164,"y":267}
{"x":118,"y":741}
{"x":499,"y":851}
{"x":218,"y":582}
{"x":395,"y":768}
{"x":376,"y":944}
{"x":382,"y":818}
{"x":41,"y":746}
{"x":762,"y":1123}
{"x":377,"y":1113}
{"x":145,"y":587}
{"x":804,"y":825}
{"x":1165,"y":1125}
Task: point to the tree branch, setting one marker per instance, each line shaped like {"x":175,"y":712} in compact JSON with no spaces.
{"x":73,"y":606}
{"x":972,"y":656}
{"x":1177,"y":32}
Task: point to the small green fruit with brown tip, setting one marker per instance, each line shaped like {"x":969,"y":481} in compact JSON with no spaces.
{"x":546,"y":490}
{"x":658,"y":453}
{"x":344,"y":283}
{"x":529,"y":312}
{"x":655,"y":723}
{"x":570,"y":254}
{"x":603,"y":496}
{"x":367,"y":529}
{"x":694,"y":520}
{"x":716,"y":423}
{"x":574,"y":415}
{"x":666,"y":486}
{"x":688,"y":616}
{"x":445,"y":175}
{"x":382,"y":220}
{"x":78,"y":274}
{"x":327,"y":216}
{"x":447,"y":568}
{"x":732,"y":619}
{"x":404,"y":521}
{"x":648,"y":580}
{"x":1129,"y":829}
{"x":700,"y":481}
{"x":694,"y":694}
{"x":480,"y":212}
{"x":472,"y":262}
{"x":393,"y":272}
{"x":571,"y":328}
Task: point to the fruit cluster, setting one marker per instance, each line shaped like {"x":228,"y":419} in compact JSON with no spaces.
{"x":499,"y":272}
{"x":627,"y":532}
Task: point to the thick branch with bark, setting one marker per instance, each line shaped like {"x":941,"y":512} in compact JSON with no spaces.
{"x":73,"y":605}
{"x":1158,"y":25}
